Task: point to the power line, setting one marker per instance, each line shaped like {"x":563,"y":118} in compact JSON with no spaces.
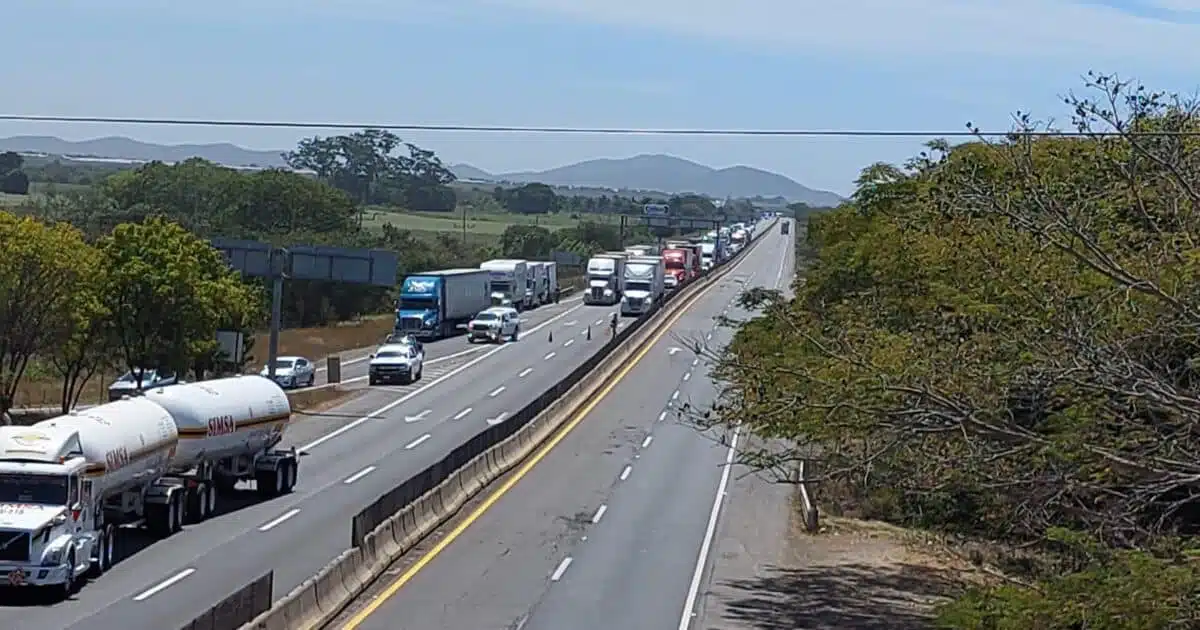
{"x":612,"y":131}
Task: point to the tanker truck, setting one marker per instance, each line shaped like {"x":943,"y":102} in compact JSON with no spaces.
{"x":158,"y":460}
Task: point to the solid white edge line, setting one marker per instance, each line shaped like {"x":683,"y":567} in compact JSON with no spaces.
{"x":417,"y":442}
{"x":359,"y":475}
{"x":268,"y":526}
{"x":562,"y":568}
{"x":421,"y":390}
{"x":709,"y":533}
{"x":163,"y":585}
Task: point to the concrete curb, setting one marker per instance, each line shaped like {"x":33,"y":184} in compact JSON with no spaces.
{"x":318,"y":601}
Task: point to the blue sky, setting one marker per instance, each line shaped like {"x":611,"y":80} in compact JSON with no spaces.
{"x":861,"y":64}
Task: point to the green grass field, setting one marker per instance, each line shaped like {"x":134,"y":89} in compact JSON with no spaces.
{"x":477,"y":223}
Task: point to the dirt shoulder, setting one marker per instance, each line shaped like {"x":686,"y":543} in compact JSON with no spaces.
{"x":769,"y":574}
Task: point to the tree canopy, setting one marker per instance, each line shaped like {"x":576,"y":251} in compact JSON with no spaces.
{"x":998,"y":340}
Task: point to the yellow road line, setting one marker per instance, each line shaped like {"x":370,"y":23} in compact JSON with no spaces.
{"x":393,"y":588}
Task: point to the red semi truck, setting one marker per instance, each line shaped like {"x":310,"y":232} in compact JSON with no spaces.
{"x":678,"y":267}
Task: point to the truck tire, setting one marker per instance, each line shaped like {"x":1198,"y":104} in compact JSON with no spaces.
{"x":201,"y":499}
{"x":67,"y":588}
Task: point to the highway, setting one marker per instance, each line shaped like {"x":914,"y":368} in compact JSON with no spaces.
{"x":611,"y":523}
{"x":354,"y":453}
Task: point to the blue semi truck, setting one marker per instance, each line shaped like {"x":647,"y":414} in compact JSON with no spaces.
{"x":432,"y":305}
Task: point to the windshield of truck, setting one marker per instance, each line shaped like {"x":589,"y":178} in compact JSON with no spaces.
{"x":486,"y":317}
{"x":130,"y":377}
{"x":601,"y":267}
{"x":637,"y":286}
{"x":675,"y":263}
{"x":417,"y":304}
{"x":40,"y":489}
{"x":391,"y":354}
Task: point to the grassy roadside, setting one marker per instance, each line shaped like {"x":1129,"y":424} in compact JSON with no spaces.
{"x":42,"y":388}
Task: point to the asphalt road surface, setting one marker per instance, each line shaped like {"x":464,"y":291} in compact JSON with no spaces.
{"x":354,"y":453}
{"x":609,"y":528}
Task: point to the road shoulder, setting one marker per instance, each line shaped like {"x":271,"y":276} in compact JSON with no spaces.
{"x":769,"y":574}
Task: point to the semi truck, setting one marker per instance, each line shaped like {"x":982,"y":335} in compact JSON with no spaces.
{"x":545,"y":276}
{"x":156,"y":459}
{"x":783,"y":227}
{"x":643,"y":284}
{"x":708,"y":255}
{"x":605,"y":278}
{"x":434,"y":304}
{"x":509,"y":281}
{"x":677,"y":262}
{"x":535,"y":282}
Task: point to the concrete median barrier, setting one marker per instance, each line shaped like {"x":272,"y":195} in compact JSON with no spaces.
{"x":315,"y":606}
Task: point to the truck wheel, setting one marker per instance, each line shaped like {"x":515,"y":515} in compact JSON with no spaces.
{"x":199,"y":503}
{"x":68,"y":585}
{"x":292,"y":469}
{"x":176,"y":511}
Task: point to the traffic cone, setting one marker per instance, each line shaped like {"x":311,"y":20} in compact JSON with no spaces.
{"x":551,"y":339}
{"x":589,"y":333}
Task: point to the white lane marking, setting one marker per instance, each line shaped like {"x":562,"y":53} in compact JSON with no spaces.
{"x":673,"y":350}
{"x":646,"y":442}
{"x":562,"y":568}
{"x":706,"y":545}
{"x":548,"y":357}
{"x":625,"y":473}
{"x":419,"y":417}
{"x":570,"y":323}
{"x":359,"y":475}
{"x":599,"y":321}
{"x":463,"y":414}
{"x":163,"y":585}
{"x":266,"y":527}
{"x":496,"y":392}
{"x":687,"y":376}
{"x":708,"y":337}
{"x":675,"y":396}
{"x":498,"y":419}
{"x":599,"y":513}
{"x":584,"y":332}
{"x":524,"y":372}
{"x":782,"y":264}
{"x":695,"y":362}
{"x":417,"y":442}
{"x":569,"y":342}
{"x":424,"y":388}
{"x":662,"y":416}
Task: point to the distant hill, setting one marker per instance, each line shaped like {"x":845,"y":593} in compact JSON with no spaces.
{"x":668,"y":174}
{"x":652,"y":173}
{"x":127,"y":149}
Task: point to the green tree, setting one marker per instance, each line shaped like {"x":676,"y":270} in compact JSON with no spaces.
{"x":85,"y":343}
{"x":168,"y":292}
{"x":997,"y":340}
{"x":530,"y":199}
{"x":13,"y":180}
{"x":41,"y":272}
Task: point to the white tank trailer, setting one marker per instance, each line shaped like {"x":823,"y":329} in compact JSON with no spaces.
{"x":156,"y":460}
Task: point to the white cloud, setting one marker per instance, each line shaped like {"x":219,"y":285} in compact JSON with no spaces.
{"x":1033,"y":30}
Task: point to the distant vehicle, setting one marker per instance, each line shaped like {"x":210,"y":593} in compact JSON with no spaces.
{"x":606,"y":278}
{"x":496,"y":324}
{"x":783,"y":227}
{"x":401,"y":363}
{"x":128,"y":384}
{"x":292,"y":372}
{"x":643,"y":284}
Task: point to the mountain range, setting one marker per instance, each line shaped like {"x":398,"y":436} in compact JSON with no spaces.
{"x":657,"y":173}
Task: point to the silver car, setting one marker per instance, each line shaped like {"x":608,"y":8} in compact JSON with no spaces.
{"x":292,"y":372}
{"x":128,"y":385}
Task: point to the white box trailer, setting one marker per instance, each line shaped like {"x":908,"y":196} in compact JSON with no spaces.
{"x":644,"y":285}
{"x":537,"y":294}
{"x":508,"y":278}
{"x":156,"y":459}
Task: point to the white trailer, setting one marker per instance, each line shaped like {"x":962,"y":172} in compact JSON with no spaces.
{"x":537,"y":294}
{"x":156,"y":460}
{"x":508,"y":281}
{"x":643,"y":284}
{"x":552,"y":280}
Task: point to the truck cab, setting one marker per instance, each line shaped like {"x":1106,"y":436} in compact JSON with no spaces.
{"x":605,"y":279}
{"x":643,"y":285}
{"x":678,"y":267}
{"x":418,"y":311}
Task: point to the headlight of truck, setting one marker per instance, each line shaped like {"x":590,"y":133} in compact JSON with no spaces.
{"x":53,"y":556}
